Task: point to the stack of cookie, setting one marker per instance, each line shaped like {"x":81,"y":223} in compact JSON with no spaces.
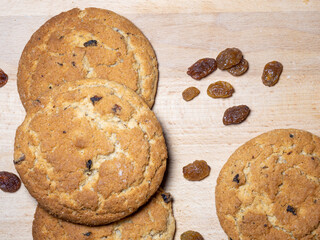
{"x":90,"y":150}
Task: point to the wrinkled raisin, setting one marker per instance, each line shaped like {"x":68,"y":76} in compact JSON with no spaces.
{"x":116,"y":108}
{"x":202,"y":68}
{"x":271,"y":73}
{"x":3,"y":78}
{"x":236,"y":178}
{"x":190,"y":93}
{"x":166,"y":197}
{"x":240,"y":68}
{"x":87,"y":234}
{"x":229,"y":58}
{"x":90,"y":43}
{"x":89,"y":164}
{"x":236,"y":114}
{"x":191,"y":235}
{"x":20,"y":159}
{"x":292,"y":210}
{"x":9,"y":182}
{"x":196,"y":171}
{"x":220,"y":89}
{"x":95,"y":99}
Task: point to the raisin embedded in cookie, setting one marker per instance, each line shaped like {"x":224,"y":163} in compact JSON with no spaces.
{"x":269,"y":188}
{"x":155,"y":220}
{"x":92,"y":152}
{"x":89,"y":43}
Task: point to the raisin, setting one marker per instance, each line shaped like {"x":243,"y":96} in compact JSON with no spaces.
{"x":291,"y":135}
{"x":271,"y":73}
{"x":20,"y":159}
{"x":90,"y":43}
{"x":89,"y":164}
{"x":240,"y":68}
{"x":116,"y":108}
{"x":166,"y":197}
{"x":202,"y":68}
{"x":236,"y":178}
{"x":73,"y":63}
{"x":95,"y":99}
{"x":236,"y":114}
{"x":190,"y":93}
{"x":196,"y":171}
{"x":3,"y":78}
{"x":292,"y":210}
{"x":191,"y":235}
{"x":220,"y":89}
{"x":87,"y":234}
{"x":229,"y":58}
{"x":9,"y":182}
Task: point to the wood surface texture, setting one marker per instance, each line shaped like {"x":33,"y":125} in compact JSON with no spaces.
{"x":181,"y":32}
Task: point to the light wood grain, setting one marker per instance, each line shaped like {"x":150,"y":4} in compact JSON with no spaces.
{"x":181,"y":33}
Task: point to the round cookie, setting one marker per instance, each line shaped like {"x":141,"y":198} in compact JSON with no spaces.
{"x":85,"y":44}
{"x":91,"y":152}
{"x":153,"y":221}
{"x":269,"y":188}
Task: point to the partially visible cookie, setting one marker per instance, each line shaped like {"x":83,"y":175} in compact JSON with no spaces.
{"x":91,"y":152}
{"x":270,"y":188}
{"x":89,"y":43}
{"x":153,"y":221}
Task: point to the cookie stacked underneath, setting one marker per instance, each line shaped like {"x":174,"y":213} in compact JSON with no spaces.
{"x":91,"y":151}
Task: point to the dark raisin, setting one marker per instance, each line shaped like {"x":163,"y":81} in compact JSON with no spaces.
{"x":191,"y":235}
{"x":202,"y":68}
{"x":196,"y":171}
{"x":229,"y":58}
{"x":64,"y":132}
{"x":236,"y":114}
{"x":87,"y":234}
{"x":20,"y":159}
{"x":220,"y":89}
{"x":190,"y":93}
{"x":61,"y":37}
{"x":271,"y":73}
{"x":291,"y":135}
{"x":292,"y":210}
{"x":236,"y":178}
{"x":60,"y":64}
{"x":312,"y":158}
{"x":95,"y":99}
{"x":166,"y":197}
{"x":9,"y":182}
{"x":116,"y":108}
{"x":3,"y":78}
{"x":89,"y":164}
{"x":265,"y":225}
{"x":240,"y":68}
{"x":289,"y":153}
{"x":73,"y":63}
{"x":90,"y":43}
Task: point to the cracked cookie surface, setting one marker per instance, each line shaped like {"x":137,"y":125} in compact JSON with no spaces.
{"x":90,"y":43}
{"x":91,"y":152}
{"x":269,"y":188}
{"x":155,"y":220}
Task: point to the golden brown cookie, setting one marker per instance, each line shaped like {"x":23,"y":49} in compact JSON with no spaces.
{"x":269,"y":188}
{"x":91,"y":152}
{"x":153,"y":221}
{"x":85,"y":44}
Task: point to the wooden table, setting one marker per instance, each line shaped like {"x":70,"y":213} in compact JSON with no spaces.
{"x":181,"y":32}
